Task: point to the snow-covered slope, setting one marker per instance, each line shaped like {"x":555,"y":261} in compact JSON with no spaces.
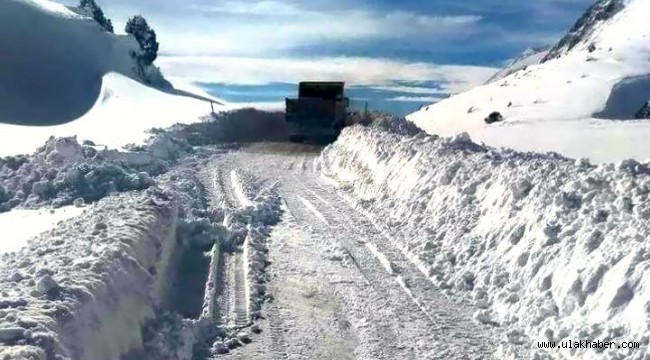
{"x":586,"y":26}
{"x":68,"y":70}
{"x":124,"y":110}
{"x":532,"y":56}
{"x":600,"y":70}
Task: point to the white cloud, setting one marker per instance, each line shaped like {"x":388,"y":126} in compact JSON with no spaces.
{"x":355,"y":71}
{"x":264,"y":8}
{"x":413,"y":90}
{"x":275,"y":27}
{"x":424,"y":99}
{"x":256,"y":41}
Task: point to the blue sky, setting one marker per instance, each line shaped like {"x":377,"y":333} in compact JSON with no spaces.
{"x":453,"y":44}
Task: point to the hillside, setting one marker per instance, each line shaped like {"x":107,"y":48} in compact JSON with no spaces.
{"x":573,"y":102}
{"x":69,"y":72}
{"x":532,"y":56}
{"x":123,"y":111}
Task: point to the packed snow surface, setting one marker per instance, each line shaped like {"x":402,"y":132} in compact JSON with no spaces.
{"x":549,"y":249}
{"x":339,"y":288}
{"x":19,"y":225}
{"x":578,"y":104}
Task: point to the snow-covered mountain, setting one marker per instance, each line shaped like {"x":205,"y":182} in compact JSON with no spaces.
{"x":572,"y":101}
{"x":586,"y":27}
{"x":531,"y":56}
{"x":62,"y":68}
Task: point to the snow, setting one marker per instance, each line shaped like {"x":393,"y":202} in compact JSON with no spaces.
{"x":529,"y":57}
{"x":53,"y":7}
{"x":188,"y":87}
{"x":128,"y":254}
{"x":19,"y":225}
{"x":536,"y":246}
{"x":550,"y":248}
{"x":123,"y":113}
{"x":97,"y":256}
{"x":383,"y":260}
{"x":571,"y":104}
{"x":596,"y":139}
{"x":239,"y":190}
{"x":71,"y":75}
{"x":314,"y":211}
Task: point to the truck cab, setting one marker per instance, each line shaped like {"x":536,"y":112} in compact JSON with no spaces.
{"x":319,"y":113}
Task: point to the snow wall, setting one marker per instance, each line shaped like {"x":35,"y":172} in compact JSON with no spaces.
{"x":84,"y":290}
{"x":547,"y":248}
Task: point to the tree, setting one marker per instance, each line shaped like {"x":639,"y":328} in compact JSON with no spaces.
{"x":146,"y":38}
{"x":92,"y":9}
{"x":644,"y":112}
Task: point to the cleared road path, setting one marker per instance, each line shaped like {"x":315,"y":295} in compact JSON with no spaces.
{"x":341,"y":288}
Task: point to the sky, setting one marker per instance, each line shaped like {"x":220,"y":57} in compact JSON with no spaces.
{"x":453,"y":44}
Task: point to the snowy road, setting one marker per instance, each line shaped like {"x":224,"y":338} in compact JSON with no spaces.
{"x":340,"y":288}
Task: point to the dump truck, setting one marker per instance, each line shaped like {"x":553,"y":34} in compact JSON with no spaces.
{"x":319,"y":113}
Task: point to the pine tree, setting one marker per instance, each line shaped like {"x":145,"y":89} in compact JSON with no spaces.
{"x":146,"y":38}
{"x":92,"y":9}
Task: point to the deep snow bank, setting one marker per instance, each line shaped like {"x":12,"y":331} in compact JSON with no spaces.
{"x":82,"y":290}
{"x":136,"y":275}
{"x":239,"y":126}
{"x":63,"y":171}
{"x":547,"y":247}
{"x":550,"y":106}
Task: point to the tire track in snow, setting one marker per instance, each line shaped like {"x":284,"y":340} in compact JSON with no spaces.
{"x":233,"y":294}
{"x":447,"y":329}
{"x":278,"y":346}
{"x":234,"y":291}
{"x":367,"y":294}
{"x":383,"y":260}
{"x":414,"y":284}
{"x":239,"y":305}
{"x":238,"y":190}
{"x":388,"y":265}
{"x":393,"y":271}
{"x":220,"y":186}
{"x":385,"y":290}
{"x":314,"y":211}
{"x":239,"y":282}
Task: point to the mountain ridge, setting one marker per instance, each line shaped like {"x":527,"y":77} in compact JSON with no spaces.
{"x":571,"y":103}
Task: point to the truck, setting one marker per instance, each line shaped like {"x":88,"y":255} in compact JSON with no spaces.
{"x":319,"y":113}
